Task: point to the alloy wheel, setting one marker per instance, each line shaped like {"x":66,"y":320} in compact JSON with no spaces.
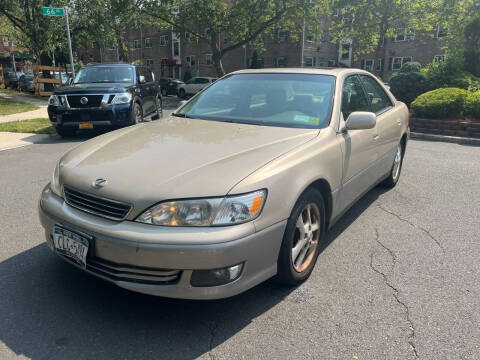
{"x":397,"y":162}
{"x":306,"y":237}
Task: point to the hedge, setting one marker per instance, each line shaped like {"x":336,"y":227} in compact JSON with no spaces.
{"x":441,"y":103}
{"x":406,"y":86}
{"x":472,"y":104}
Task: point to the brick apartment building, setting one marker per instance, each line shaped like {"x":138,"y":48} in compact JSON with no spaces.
{"x":172,"y":54}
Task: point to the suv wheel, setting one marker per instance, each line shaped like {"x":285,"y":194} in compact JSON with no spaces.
{"x":137,"y":114}
{"x":159,"y":107}
{"x":181,"y":93}
{"x":302,"y":239}
{"x":66,"y":132}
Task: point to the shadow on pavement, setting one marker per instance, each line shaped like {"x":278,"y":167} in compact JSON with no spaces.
{"x":51,"y":310}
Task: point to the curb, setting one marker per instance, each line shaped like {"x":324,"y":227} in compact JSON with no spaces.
{"x":444,"y":138}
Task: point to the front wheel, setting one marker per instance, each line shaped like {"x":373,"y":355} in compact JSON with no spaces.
{"x":137,"y":114}
{"x":394,"y":174}
{"x":159,"y":108}
{"x":302,"y":239}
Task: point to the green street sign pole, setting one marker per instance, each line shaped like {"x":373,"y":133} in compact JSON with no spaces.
{"x":48,"y":11}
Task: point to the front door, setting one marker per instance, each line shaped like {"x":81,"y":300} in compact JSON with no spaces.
{"x":359,"y":146}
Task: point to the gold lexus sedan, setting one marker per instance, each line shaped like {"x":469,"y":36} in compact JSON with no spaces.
{"x":239,"y":185}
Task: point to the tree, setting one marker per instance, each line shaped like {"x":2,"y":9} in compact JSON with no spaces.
{"x":370,"y":23}
{"x":227,"y":26}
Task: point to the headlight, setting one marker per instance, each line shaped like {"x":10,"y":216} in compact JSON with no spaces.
{"x":206,"y":212}
{"x":53,"y":100}
{"x":55,"y":183}
{"x":122,"y":98}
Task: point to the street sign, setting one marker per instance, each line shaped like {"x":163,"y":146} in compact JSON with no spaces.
{"x":52,"y":11}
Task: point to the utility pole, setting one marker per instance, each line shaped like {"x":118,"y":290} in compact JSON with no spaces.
{"x":303,"y":43}
{"x":69,"y":43}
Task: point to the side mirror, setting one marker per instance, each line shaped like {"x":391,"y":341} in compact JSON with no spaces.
{"x":141,"y":79}
{"x":360,"y":120}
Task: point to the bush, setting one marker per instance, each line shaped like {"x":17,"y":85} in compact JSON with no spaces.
{"x":407,"y":86}
{"x":410,"y":67}
{"x":441,"y":103}
{"x":472,"y":104}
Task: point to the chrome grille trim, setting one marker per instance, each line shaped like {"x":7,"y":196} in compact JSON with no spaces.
{"x":110,"y":209}
{"x":130,"y":273}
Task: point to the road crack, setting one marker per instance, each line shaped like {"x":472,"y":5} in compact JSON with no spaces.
{"x":213,"y":332}
{"x":396,"y":291}
{"x":425,"y":231}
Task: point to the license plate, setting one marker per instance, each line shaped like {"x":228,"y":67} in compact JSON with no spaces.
{"x":71,"y":244}
{"x":85,"y":125}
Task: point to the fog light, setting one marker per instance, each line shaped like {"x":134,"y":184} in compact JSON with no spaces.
{"x":216,"y":277}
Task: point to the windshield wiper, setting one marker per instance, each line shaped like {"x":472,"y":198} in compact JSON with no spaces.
{"x":183,"y":115}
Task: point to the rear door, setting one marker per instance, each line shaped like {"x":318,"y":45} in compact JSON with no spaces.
{"x":144,"y":90}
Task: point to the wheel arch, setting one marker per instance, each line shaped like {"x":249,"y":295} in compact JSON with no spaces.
{"x":325,"y":189}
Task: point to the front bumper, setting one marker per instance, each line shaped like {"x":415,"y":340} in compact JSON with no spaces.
{"x":126,"y":246}
{"x":110,"y":115}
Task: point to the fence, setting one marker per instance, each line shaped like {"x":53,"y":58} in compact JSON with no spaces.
{"x":37,"y":80}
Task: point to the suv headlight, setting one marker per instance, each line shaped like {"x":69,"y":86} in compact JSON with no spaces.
{"x":229,"y":210}
{"x":53,"y":100}
{"x":55,"y":183}
{"x":122,"y":98}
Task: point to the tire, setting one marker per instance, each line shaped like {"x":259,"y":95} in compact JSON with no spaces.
{"x":182,"y":94}
{"x":394,"y":174}
{"x":137,"y":114}
{"x":293,"y":269}
{"x":164,"y":92}
{"x":66,"y":132}
{"x":159,"y":108}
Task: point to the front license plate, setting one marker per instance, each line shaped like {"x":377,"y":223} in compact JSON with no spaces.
{"x":71,"y":244}
{"x":85,"y":125}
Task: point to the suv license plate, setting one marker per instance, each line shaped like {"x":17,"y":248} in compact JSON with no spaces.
{"x":85,"y":125}
{"x":71,"y":244}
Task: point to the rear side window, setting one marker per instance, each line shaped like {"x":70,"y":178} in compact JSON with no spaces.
{"x":353,"y":97}
{"x":202,"y":81}
{"x":378,"y":97}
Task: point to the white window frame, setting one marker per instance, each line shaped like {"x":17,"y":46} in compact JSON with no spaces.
{"x":439,"y":28}
{"x":191,"y":60}
{"x":308,"y":35}
{"x":279,"y":59}
{"x":282,"y":35}
{"x":407,"y":34}
{"x":5,"y":42}
{"x":149,"y":62}
{"x":137,"y":44}
{"x":379,"y":64}
{"x":189,"y":37}
{"x":313,"y":61}
{"x":150,"y":41}
{"x":403,"y":60}
{"x":368,"y":64}
{"x":209,"y":59}
{"x":208,"y":34}
{"x":163,"y":40}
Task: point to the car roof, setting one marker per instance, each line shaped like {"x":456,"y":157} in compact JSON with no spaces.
{"x":318,"y":71}
{"x":110,"y":64}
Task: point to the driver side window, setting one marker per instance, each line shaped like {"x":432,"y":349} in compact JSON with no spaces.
{"x":353,"y":97}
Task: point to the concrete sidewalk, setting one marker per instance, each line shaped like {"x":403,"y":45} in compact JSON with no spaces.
{"x":39,"y":113}
{"x":9,"y":140}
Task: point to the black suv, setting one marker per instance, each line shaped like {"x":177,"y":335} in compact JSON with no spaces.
{"x":101,"y":95}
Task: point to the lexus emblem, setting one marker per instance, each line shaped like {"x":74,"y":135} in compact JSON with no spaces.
{"x":99,"y":183}
{"x":84,"y":100}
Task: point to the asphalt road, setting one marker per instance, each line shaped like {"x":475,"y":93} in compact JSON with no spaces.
{"x":398,"y":279}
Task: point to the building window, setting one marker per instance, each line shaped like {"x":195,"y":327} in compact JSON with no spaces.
{"x":189,"y":37}
{"x":331,"y":63}
{"x":324,"y":36}
{"x":309,"y":61}
{"x":398,"y":62}
{"x":164,"y":40}
{"x":345,"y":55}
{"x":209,"y":59}
{"x":308,"y":35}
{"x":379,"y":65}
{"x":176,"y":48}
{"x":136,"y":44}
{"x":148,"y":42}
{"x":441,"y":32}
{"x":281,"y":61}
{"x":404,"y":34}
{"x":336,"y":12}
{"x":439,"y":58}
{"x":149,"y":63}
{"x":208,"y":34}
{"x":190,"y":60}
{"x":367,"y":64}
{"x":282,"y":35}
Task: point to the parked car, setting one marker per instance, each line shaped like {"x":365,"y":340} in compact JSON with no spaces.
{"x":111,"y":95}
{"x":239,"y":185}
{"x":25,"y":82}
{"x":65,"y":77}
{"x":10,"y":78}
{"x":169,"y":86}
{"x":194,"y":85}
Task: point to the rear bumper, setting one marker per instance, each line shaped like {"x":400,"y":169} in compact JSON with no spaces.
{"x":111,"y":115}
{"x":130,"y":247}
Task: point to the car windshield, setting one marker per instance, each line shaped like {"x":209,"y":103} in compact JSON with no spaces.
{"x":105,"y":74}
{"x":286,"y":100}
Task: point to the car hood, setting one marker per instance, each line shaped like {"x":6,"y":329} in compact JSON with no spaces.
{"x":89,"y":88}
{"x":175,"y":158}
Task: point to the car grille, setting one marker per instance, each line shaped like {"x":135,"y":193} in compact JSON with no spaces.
{"x":130,"y":273}
{"x":93,"y":101}
{"x":110,"y":209}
